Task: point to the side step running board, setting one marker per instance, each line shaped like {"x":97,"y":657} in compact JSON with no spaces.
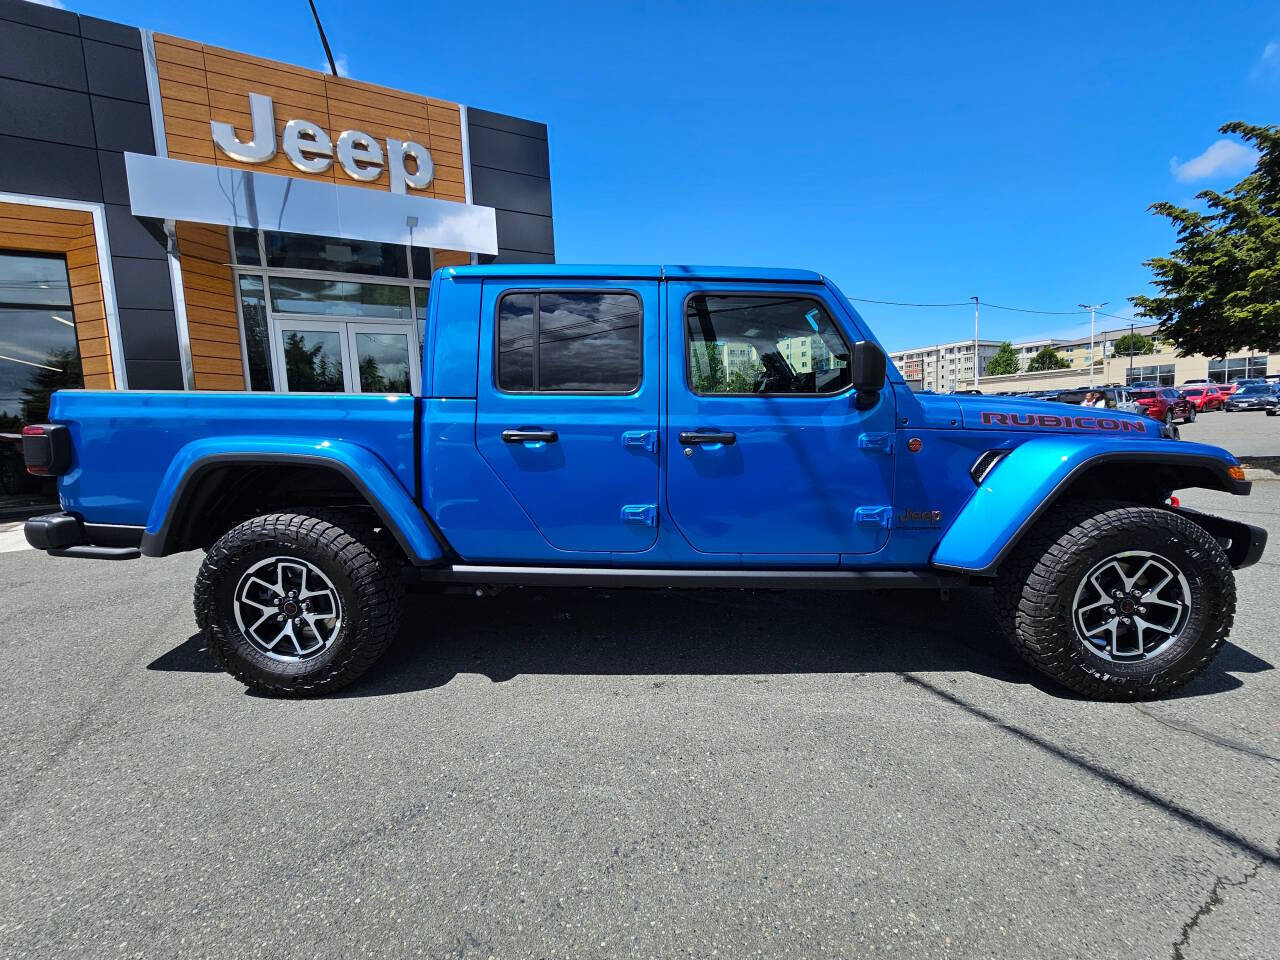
{"x":642,"y":577}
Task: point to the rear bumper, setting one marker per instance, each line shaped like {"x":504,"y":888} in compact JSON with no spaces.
{"x":66,"y":535}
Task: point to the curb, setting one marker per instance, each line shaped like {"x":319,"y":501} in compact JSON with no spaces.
{"x":1261,"y":468}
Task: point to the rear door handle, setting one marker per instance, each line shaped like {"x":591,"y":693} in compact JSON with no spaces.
{"x":530,"y":436}
{"x":691,"y":438}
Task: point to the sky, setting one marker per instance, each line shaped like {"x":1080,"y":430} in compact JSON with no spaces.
{"x":920,"y":152}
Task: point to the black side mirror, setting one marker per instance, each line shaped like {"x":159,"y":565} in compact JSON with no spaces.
{"x":867,"y":366}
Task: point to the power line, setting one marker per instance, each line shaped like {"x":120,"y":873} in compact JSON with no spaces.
{"x":965,"y":303}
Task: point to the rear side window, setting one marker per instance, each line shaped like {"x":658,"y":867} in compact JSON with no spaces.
{"x":569,"y":342}
{"x":743,"y":344}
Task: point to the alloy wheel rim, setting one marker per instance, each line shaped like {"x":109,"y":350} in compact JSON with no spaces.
{"x":1131,"y":606}
{"x":288,"y":608}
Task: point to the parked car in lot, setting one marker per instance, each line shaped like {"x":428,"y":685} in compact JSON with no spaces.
{"x":1165,"y":404}
{"x":649,"y":427}
{"x":1205,"y":398}
{"x":1254,"y":396}
{"x":1273,"y":404}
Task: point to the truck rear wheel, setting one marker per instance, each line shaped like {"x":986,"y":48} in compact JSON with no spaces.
{"x":1117,"y":601}
{"x":297,"y":604}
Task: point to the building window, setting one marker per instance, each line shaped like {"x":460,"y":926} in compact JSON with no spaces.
{"x":571,"y":342}
{"x":257,"y":336}
{"x":39,"y":354}
{"x":339,"y":298}
{"x":763,"y":345}
{"x":1162,"y":374}
{"x":1237,"y":368}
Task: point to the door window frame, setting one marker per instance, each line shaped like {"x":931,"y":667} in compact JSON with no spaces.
{"x":760,"y":295}
{"x":537,"y":291}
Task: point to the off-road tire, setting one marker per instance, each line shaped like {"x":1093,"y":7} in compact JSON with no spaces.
{"x":1037,"y":585}
{"x":360,"y":562}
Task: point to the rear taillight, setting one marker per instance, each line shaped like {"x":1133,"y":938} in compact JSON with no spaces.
{"x":46,"y":448}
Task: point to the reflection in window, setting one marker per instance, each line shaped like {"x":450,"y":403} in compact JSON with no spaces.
{"x":420,"y":311}
{"x":38,"y":355}
{"x":339,"y":298}
{"x":313,"y":361}
{"x":383,"y":359}
{"x":245,"y":242}
{"x":421,"y":263}
{"x":569,"y":342}
{"x":294,"y":251}
{"x":764,"y":345}
{"x":253,"y":308}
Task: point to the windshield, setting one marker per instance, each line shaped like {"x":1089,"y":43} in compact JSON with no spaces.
{"x":1253,"y":390}
{"x":1143,"y":394}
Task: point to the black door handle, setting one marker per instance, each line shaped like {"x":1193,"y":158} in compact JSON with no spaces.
{"x":691,"y":438}
{"x":530,"y":436}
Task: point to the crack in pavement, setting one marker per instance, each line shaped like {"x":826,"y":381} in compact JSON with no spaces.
{"x":1205,"y":735}
{"x":1213,"y":900}
{"x":1187,"y":816}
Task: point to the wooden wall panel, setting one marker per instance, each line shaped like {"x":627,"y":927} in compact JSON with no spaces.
{"x":209,"y":289}
{"x":201,"y":83}
{"x":69,"y":232}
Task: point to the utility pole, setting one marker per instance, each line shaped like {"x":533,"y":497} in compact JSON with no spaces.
{"x":1093,"y":309}
{"x":975,"y":342}
{"x":1130,"y":353}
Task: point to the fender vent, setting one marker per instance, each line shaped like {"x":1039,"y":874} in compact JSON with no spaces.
{"x":985,"y":463}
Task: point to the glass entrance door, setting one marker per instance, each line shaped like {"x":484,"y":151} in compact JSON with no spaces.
{"x":337,"y":356}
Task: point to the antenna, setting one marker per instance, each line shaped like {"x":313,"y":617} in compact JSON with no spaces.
{"x":323,"y":39}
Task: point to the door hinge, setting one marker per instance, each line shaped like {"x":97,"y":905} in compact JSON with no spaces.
{"x":648,"y":439}
{"x":642,"y":514}
{"x":876,"y":441}
{"x":873,"y":516}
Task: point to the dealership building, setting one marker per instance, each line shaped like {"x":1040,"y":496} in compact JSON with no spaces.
{"x":178,"y":216}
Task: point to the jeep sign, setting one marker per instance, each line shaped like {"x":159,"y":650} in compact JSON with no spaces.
{"x":309,"y":148}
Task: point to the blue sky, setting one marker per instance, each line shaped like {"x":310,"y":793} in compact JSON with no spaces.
{"x":919,"y":152}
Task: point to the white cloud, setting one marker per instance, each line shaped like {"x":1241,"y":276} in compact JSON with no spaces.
{"x":1268,"y":64}
{"x":56,"y":4}
{"x":344,"y":68}
{"x":1223,"y":158}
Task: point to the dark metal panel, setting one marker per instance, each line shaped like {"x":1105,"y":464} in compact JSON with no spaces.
{"x":115,"y":185}
{"x":110,"y":32}
{"x":517,"y":256}
{"x":142,"y":283}
{"x":154,"y":374}
{"x":38,"y":112}
{"x":148,"y":335}
{"x":115,"y":71}
{"x":48,"y":169}
{"x":41,"y":56}
{"x":123,"y":125}
{"x":500,"y":121}
{"x":38,"y":15}
{"x":525,"y":231}
{"x":511,"y":191}
{"x":503,"y":150}
{"x":133,"y":236}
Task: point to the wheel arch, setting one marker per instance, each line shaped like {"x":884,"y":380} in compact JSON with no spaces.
{"x":207,"y":491}
{"x":1043,"y":472}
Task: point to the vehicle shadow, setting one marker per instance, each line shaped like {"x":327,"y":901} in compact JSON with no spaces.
{"x":700,"y":633}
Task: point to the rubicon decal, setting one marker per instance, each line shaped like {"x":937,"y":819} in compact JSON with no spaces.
{"x":1051,"y":422}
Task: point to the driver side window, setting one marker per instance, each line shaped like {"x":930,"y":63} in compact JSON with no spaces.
{"x":763,"y":345}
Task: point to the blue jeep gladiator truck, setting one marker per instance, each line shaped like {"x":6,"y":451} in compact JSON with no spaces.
{"x":651,"y":427}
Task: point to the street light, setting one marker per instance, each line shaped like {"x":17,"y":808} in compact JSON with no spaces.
{"x":1092,"y":308}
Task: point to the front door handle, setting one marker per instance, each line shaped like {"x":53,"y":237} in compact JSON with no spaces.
{"x":530,"y":436}
{"x":691,"y":438}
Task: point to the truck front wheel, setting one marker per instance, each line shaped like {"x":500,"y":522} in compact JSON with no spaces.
{"x":1117,"y":601}
{"x":297,"y":604}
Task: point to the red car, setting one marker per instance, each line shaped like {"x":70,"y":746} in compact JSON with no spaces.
{"x":1165,"y":404}
{"x":1205,"y":398}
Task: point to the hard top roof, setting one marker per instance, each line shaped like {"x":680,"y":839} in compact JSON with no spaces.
{"x":574,"y":271}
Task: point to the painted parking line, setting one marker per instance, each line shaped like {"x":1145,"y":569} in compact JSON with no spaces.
{"x":12,"y":538}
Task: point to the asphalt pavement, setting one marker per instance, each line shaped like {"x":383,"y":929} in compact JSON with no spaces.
{"x":1247,"y":434}
{"x":627,"y":774}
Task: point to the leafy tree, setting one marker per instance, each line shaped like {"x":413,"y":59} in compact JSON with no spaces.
{"x":708,"y":375}
{"x":1220,"y":287}
{"x":1135,"y":342}
{"x":1004,"y":362}
{"x":1047,"y":359}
